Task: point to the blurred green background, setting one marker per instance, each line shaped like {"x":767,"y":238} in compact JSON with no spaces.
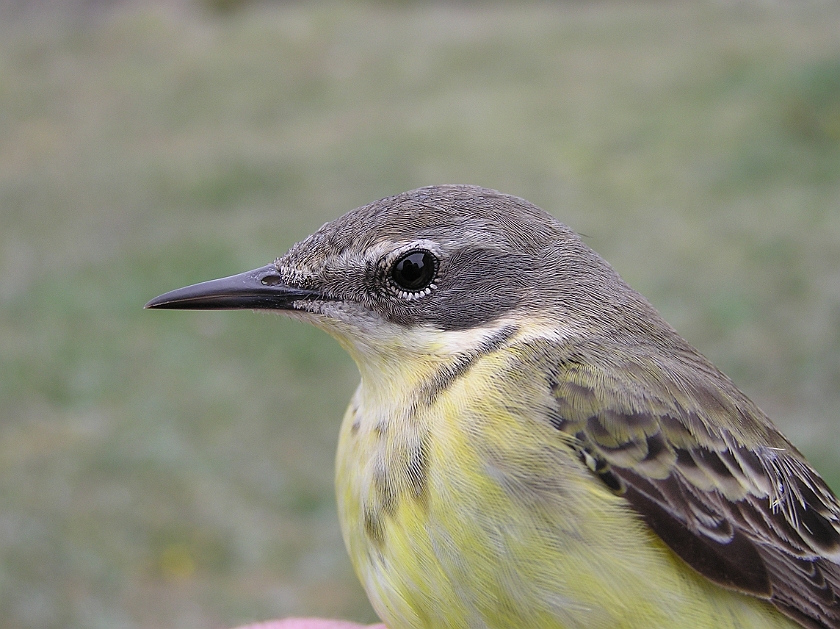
{"x":174,"y":469}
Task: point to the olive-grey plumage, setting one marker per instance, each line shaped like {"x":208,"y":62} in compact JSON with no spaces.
{"x":646,"y":414}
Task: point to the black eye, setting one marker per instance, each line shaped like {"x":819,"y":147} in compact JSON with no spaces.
{"x":414,"y":271}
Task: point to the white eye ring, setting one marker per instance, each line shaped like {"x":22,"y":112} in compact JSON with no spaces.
{"x":411,"y":270}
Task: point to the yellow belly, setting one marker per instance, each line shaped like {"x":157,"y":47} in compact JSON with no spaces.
{"x":472,"y":512}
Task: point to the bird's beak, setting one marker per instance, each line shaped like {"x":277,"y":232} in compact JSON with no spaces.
{"x":260,"y":289}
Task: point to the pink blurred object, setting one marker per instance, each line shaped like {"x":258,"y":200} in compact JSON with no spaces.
{"x":310,"y":623}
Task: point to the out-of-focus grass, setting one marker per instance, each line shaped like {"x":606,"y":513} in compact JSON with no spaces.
{"x":175,"y":469}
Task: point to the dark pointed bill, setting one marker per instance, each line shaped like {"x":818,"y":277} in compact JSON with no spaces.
{"x":260,"y":289}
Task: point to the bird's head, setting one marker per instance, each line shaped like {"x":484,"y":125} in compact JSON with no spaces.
{"x":436,"y":263}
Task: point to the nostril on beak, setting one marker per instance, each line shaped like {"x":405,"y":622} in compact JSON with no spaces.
{"x":271,"y":280}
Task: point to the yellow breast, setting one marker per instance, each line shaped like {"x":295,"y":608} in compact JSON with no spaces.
{"x":462,"y":507}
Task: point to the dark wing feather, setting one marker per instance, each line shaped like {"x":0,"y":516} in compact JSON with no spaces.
{"x":721,"y":486}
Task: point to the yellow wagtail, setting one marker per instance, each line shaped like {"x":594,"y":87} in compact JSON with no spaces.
{"x":531,"y":445}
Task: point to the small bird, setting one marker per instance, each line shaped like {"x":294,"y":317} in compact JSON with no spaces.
{"x":531,"y":444}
